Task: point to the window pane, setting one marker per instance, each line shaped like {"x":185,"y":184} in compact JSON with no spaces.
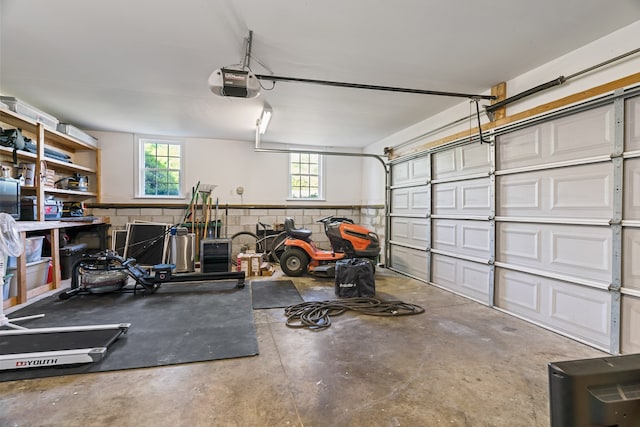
{"x":174,"y":163}
{"x":174,"y":150}
{"x":161,"y":168}
{"x":173,"y":177}
{"x":163,"y":150}
{"x":150,"y":159}
{"x":304,"y":175}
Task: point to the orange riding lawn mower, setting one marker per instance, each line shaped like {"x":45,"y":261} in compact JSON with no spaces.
{"x":348,"y":240}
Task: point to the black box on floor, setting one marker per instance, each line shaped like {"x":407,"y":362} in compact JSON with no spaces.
{"x":215,"y":255}
{"x":68,"y":256}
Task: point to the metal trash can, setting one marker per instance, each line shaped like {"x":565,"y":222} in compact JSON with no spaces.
{"x":182,"y":250}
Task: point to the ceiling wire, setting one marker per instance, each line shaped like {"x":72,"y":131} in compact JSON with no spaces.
{"x":246,"y":62}
{"x":486,"y":141}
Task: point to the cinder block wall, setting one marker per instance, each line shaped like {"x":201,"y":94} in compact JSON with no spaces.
{"x":239,"y":218}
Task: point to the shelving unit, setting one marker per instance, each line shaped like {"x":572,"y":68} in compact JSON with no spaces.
{"x":85,"y":160}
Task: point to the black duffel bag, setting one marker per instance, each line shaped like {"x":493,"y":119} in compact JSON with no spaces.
{"x":13,"y":138}
{"x":355,"y":278}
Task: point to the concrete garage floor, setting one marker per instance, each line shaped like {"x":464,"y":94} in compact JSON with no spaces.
{"x":458,"y":364}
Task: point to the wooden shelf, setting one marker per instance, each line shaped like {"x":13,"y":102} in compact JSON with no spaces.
{"x":58,"y":165}
{"x":86,"y":194}
{"x":87,"y":158}
{"x":59,"y":139}
{"x":21,"y":154}
{"x":18,"y":121}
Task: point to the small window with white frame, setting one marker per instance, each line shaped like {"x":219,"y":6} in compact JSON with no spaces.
{"x":160,"y":168}
{"x":305,"y":176}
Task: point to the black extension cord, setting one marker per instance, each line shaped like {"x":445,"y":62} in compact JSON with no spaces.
{"x":317,"y":314}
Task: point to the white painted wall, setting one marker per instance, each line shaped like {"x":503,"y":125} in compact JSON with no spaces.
{"x":228,"y":164}
{"x":610,"y":46}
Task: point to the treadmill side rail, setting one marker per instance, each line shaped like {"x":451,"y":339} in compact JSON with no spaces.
{"x":51,"y":358}
{"x":36,"y":331}
{"x":57,"y":346}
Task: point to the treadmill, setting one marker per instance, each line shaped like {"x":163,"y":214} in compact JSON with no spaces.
{"x":45,"y":347}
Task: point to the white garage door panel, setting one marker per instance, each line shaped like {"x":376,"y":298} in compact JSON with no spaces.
{"x":629,"y":320}
{"x":587,"y":134}
{"x":631,"y":205}
{"x":412,"y":171}
{"x":631,"y":258}
{"x":400,"y":173}
{"x":461,"y":276}
{"x":576,"y":310}
{"x":520,"y":148}
{"x":582,"y":135}
{"x":571,"y":250}
{"x":410,"y":231}
{"x":471,"y":238}
{"x":593,"y":314}
{"x":411,"y":200}
{"x":572,"y":192}
{"x":460,"y":161}
{"x":410,"y":261}
{"x":470,"y":197}
{"x":632,"y":137}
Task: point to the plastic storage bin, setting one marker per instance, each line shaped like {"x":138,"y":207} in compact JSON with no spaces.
{"x":37,"y":274}
{"x":68,"y":256}
{"x":32,"y":250}
{"x":27,"y":110}
{"x":77,"y":133}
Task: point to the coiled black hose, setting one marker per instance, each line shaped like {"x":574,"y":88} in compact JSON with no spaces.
{"x":317,"y":314}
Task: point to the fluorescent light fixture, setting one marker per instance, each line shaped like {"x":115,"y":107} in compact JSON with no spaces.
{"x":265,"y":118}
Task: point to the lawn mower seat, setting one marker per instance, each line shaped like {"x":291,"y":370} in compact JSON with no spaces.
{"x":298,"y":233}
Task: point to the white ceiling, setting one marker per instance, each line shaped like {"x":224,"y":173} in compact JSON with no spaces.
{"x":142,"y":65}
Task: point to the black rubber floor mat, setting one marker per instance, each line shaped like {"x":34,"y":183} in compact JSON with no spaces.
{"x":180,"y":323}
{"x":274,"y":294}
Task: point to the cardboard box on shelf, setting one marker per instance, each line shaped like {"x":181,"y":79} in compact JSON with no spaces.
{"x":243,"y":263}
{"x":266,"y":269}
{"x":255,"y":264}
{"x":249,"y":263}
